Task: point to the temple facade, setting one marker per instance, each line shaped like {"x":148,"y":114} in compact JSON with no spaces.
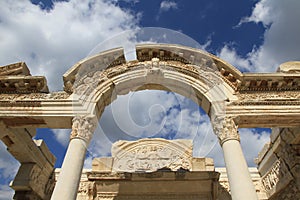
{"x":231,"y":99}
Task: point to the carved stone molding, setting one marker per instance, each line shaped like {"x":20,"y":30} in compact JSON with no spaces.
{"x":154,"y":67}
{"x":225,"y":128}
{"x":83,"y":127}
{"x":87,"y":189}
{"x":16,"y":78}
{"x":109,"y":176}
{"x":15,"y":69}
{"x":24,"y":98}
{"x":89,"y":82}
{"x":268,"y":98}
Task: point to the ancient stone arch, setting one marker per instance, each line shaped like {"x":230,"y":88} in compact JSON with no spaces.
{"x":232,"y":99}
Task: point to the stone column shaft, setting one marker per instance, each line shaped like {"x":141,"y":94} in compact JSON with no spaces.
{"x":69,"y":178}
{"x":239,"y":178}
{"x":240,"y":182}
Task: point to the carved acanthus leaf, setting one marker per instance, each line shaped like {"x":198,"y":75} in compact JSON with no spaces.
{"x":225,"y":128}
{"x":83,"y":127}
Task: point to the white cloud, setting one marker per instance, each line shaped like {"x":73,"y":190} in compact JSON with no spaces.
{"x":62,"y":136}
{"x":131,"y":117}
{"x":131,"y":1}
{"x":8,"y":164}
{"x":261,"y":13}
{"x":230,"y":55}
{"x":281,"y":37}
{"x":167,"y":5}
{"x":6,"y":193}
{"x":50,"y":42}
{"x":252,"y":143}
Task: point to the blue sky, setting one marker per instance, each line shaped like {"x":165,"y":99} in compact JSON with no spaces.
{"x":254,"y":36}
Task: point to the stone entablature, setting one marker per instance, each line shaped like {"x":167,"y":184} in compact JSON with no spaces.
{"x":255,"y":92}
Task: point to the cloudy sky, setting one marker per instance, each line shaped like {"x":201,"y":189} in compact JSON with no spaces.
{"x":254,"y":36}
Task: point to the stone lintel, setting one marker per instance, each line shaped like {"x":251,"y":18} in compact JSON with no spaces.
{"x":45,"y":151}
{"x":157,"y":175}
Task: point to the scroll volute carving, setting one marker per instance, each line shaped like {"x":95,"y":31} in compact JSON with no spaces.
{"x":83,"y":127}
{"x":225,"y":128}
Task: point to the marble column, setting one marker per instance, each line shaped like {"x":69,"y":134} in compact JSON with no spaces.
{"x":240,"y":182}
{"x":82,"y":131}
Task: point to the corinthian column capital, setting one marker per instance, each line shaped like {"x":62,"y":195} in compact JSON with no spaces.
{"x":83,"y":127}
{"x":225,"y":128}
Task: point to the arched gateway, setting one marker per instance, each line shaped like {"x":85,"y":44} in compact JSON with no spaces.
{"x":230,"y":98}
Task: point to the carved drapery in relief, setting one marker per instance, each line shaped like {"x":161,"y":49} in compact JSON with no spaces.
{"x":225,"y":128}
{"x":83,"y":127}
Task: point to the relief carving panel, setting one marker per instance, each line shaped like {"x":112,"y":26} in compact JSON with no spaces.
{"x":277,"y":177}
{"x":152,"y":154}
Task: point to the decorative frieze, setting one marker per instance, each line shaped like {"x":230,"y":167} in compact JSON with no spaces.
{"x":83,"y":127}
{"x":33,"y":97}
{"x":268,"y":98}
{"x":108,"y":175}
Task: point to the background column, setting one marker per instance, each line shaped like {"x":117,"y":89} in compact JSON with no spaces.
{"x":82,"y":131}
{"x":240,"y":182}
